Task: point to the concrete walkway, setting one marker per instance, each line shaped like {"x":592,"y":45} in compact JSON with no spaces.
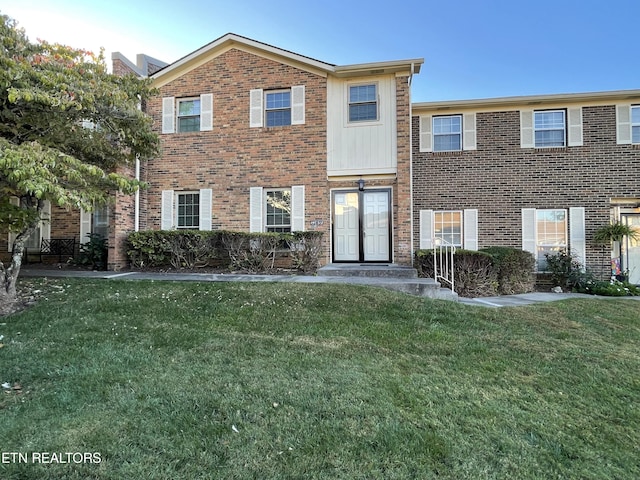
{"x":492,"y":302}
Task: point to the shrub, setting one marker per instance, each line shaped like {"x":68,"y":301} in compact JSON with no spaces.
{"x":564,"y":268}
{"x":306,"y":248}
{"x":474,"y":274}
{"x":94,"y":252}
{"x":515,"y":269}
{"x":178,"y":248}
{"x":251,"y":252}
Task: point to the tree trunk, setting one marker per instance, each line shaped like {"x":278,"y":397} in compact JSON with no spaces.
{"x":9,"y":278}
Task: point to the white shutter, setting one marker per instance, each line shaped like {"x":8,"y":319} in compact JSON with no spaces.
{"x":577,"y":238}
{"x":255,"y":108}
{"x":623,"y":124}
{"x":168,"y":114}
{"x":45,"y":223}
{"x":12,"y":236}
{"x":85,"y":225}
{"x":575,"y":126}
{"x":529,"y":231}
{"x":426,"y":142}
{"x":297,"y":105}
{"x":205,"y":208}
{"x":526,"y":129}
{"x":167,"y":221}
{"x":470,"y":229}
{"x":255,"y":209}
{"x":297,"y":208}
{"x":469,"y":131}
{"x":206,"y":112}
{"x":426,"y":229}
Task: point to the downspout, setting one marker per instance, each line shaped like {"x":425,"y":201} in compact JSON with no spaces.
{"x":411,"y":167}
{"x":137,"y":197}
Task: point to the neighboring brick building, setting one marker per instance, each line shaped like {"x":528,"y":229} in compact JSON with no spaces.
{"x":542,"y":173}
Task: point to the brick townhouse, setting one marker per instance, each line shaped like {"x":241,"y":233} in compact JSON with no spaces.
{"x":540,"y":172}
{"x":257,"y":138}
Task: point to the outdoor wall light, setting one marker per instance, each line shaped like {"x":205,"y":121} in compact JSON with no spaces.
{"x":361,"y":185}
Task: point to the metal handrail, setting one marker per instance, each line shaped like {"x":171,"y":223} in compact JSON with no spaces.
{"x":443,"y":252}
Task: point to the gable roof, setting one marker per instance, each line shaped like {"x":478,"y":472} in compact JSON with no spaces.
{"x":231,"y":40}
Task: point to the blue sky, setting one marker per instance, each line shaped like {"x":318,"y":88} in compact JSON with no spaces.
{"x":472,"y":49}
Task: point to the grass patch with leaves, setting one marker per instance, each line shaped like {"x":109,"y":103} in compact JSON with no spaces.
{"x":281,"y":380}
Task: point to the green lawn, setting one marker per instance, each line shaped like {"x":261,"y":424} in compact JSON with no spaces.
{"x":262,"y":381}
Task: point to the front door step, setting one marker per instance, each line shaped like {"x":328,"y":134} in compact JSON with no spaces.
{"x":367,"y":270}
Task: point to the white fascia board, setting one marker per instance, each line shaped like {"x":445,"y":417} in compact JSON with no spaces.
{"x":527,"y":101}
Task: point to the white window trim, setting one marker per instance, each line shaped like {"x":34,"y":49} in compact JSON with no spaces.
{"x":468,"y":132}
{"x":347,"y":101}
{"x":177,"y":204}
{"x":169,"y":209}
{"x":632,"y":124}
{"x":264,"y":206}
{"x":564,"y":128}
{"x":257,"y":106}
{"x":170,"y":113}
{"x":576,"y":240}
{"x":469,"y":234}
{"x":257,"y":208}
{"x":434,"y":134}
{"x":267,"y":109}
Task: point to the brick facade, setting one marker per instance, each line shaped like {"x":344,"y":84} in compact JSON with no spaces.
{"x":500,"y":178}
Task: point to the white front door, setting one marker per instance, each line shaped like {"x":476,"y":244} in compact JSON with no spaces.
{"x":631,"y":250}
{"x":376,"y":226}
{"x":346,"y":227}
{"x":361,"y":226}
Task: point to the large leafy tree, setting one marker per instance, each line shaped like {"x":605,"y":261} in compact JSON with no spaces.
{"x":68,"y":129}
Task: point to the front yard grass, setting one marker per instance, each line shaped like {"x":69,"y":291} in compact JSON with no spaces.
{"x":283,"y":381}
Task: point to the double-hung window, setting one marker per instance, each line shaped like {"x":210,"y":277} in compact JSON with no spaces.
{"x":635,"y":124}
{"x":363,"y":103}
{"x":189,"y":115}
{"x":278,"y":210}
{"x":448,"y":227}
{"x":447,"y":133}
{"x":550,"y":128}
{"x":278,"y":108}
{"x":551,"y":234}
{"x":188,"y":212}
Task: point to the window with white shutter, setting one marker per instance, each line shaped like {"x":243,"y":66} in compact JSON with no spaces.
{"x":449,"y":227}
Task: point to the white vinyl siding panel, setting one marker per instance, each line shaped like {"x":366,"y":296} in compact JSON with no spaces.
{"x":168,"y":115}
{"x":470,"y":229}
{"x":526,"y":129}
{"x":255,"y":108}
{"x":623,"y":124}
{"x":297,"y":208}
{"x":205,"y":212}
{"x":85,"y":225}
{"x":167,"y":218}
{"x":577,"y":239}
{"x":426,"y":229}
{"x":297,"y":105}
{"x":426,"y":137}
{"x":255,"y":209}
{"x":574,"y":127}
{"x":45,"y":225}
{"x":206,"y":112}
{"x":469,"y":131}
{"x":361,"y":148}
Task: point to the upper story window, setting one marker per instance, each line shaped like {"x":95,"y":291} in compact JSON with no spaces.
{"x":189,"y":115}
{"x":635,"y":124}
{"x":188,"y":214}
{"x":275,"y":108}
{"x":363,"y":103}
{"x":447,"y":133}
{"x":193,"y":114}
{"x":278,"y":210}
{"x":550,"y":128}
{"x":278,"y":108}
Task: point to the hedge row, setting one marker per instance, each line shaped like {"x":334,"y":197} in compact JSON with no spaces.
{"x":490,"y":271}
{"x":249,"y":252}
